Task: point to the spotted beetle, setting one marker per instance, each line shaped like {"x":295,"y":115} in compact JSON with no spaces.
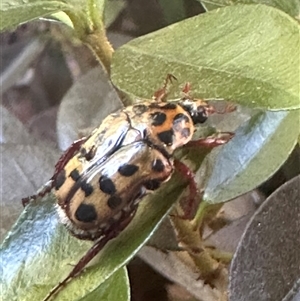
{"x":100,"y":180}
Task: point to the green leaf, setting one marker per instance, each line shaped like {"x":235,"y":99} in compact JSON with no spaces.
{"x":291,"y":7}
{"x":111,"y":11}
{"x":248,"y":54}
{"x":62,"y":17}
{"x":116,"y":287}
{"x":39,"y":252}
{"x":254,"y":154}
{"x":14,"y":12}
{"x":80,"y":14}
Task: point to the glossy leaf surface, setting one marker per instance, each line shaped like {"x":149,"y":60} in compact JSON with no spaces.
{"x":257,"y":150}
{"x":291,"y":7}
{"x":248,"y":54}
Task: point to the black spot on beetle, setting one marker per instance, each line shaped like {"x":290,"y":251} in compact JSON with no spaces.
{"x":60,"y":179}
{"x":139,"y":109}
{"x":152,"y":184}
{"x":127,"y":170}
{"x":82,"y":152}
{"x":169,"y":106}
{"x":114,"y":201}
{"x":91,"y":153}
{"x":99,"y":138}
{"x":106,"y":185}
{"x":87,"y":188}
{"x":74,"y":174}
{"x":158,"y":165}
{"x":178,"y":122}
{"x":185,"y":133}
{"x":154,"y":105}
{"x":166,"y":137}
{"x":158,"y":118}
{"x":86,"y":213}
{"x":180,"y":117}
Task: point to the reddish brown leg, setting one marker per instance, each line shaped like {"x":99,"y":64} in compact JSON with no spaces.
{"x":186,"y":89}
{"x":187,"y":92}
{"x":191,"y":203}
{"x":230,"y":107}
{"x":212,"y":141}
{"x":92,"y":252}
{"x":161,"y":94}
{"x":67,"y":155}
{"x":46,"y":189}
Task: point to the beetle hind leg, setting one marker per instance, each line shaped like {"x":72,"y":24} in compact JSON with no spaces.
{"x":61,"y":163}
{"x":94,"y":250}
{"x":41,"y":193}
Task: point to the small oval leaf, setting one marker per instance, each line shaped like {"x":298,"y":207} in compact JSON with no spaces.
{"x":257,"y":150}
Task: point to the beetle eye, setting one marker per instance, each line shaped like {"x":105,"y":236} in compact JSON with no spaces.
{"x":200,"y":115}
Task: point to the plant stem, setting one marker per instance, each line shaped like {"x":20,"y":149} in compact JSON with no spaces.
{"x":198,"y":219}
{"x":206,"y":212}
{"x":97,"y":41}
{"x":222,"y":256}
{"x":91,"y":31}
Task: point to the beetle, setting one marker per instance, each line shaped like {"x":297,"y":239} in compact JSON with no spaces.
{"x":100,"y":180}
{"x":109,"y":193}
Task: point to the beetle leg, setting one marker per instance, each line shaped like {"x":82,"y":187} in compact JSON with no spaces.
{"x":93,"y":251}
{"x":161,"y":94}
{"x":186,"y":91}
{"x":45,"y":189}
{"x":229,"y":107}
{"x":187,"y":88}
{"x":191,"y":203}
{"x":67,"y":155}
{"x":212,"y":141}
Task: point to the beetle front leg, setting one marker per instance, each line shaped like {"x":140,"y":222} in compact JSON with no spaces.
{"x":212,"y":141}
{"x":161,"y":94}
